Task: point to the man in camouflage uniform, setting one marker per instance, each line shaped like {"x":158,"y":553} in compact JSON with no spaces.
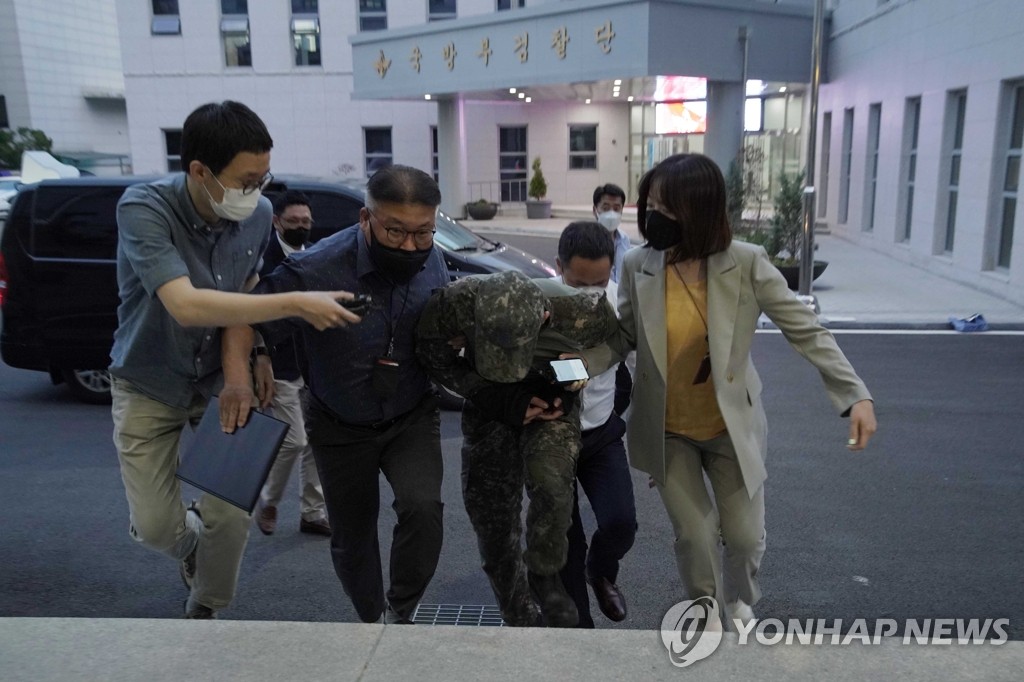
{"x":517,"y":424}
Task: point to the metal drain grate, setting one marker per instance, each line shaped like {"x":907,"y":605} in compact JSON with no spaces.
{"x":457,"y":614}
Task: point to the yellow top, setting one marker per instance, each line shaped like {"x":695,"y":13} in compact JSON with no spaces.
{"x":690,"y":409}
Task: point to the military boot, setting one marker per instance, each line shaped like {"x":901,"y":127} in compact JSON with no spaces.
{"x":555,"y":603}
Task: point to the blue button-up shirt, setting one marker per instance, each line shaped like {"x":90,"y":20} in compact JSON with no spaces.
{"x":161,"y":237}
{"x":341,"y":360}
{"x":622,"y":245}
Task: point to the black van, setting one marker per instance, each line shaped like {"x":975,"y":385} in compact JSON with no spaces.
{"x":58,"y":280}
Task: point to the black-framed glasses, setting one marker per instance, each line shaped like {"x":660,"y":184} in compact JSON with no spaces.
{"x":396,"y":236}
{"x":298,"y":222}
{"x":260,"y":184}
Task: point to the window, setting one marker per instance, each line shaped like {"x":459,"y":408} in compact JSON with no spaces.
{"x":172,"y":140}
{"x":512,"y":162}
{"x":377,"y":142}
{"x":510,"y":4}
{"x":78,"y":223}
{"x":1011,"y":176}
{"x":582,"y":147}
{"x":165,"y":18}
{"x":874,"y":132}
{"x":435,"y":167}
{"x":845,"y":163}
{"x":911,"y":130}
{"x":306,"y":32}
{"x":373,"y":15}
{"x":4,"y":122}
{"x":826,"y":157}
{"x":956,"y":109}
{"x":439,"y":10}
{"x":234,"y":31}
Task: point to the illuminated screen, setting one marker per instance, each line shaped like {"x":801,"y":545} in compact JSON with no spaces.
{"x":679,"y":87}
{"x":680,"y":117}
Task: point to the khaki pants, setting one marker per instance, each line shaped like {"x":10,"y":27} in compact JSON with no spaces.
{"x":733,"y":517}
{"x":147,"y":434}
{"x":287,"y":405}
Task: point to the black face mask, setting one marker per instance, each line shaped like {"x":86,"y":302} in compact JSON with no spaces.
{"x":296,"y":237}
{"x":662,"y":232}
{"x":398,"y":265}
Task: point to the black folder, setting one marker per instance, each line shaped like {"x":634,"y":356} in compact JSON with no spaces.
{"x":232,"y":466}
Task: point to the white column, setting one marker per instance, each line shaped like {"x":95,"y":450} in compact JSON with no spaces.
{"x":451,"y":155}
{"x":725,"y":122}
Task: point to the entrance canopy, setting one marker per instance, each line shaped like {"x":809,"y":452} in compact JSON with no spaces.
{"x":578,"y":49}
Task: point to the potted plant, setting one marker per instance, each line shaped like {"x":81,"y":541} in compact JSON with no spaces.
{"x":783,"y":240}
{"x":481,"y":209}
{"x":537,"y":206}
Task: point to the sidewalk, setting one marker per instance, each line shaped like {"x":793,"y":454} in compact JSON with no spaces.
{"x":115,"y":650}
{"x":860,"y":288}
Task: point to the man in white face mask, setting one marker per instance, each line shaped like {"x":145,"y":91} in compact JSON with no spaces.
{"x":585,"y":252}
{"x":189,"y":246}
{"x":609,"y":201}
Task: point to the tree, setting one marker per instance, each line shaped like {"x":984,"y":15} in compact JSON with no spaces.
{"x":787,"y":233}
{"x":538,"y":185}
{"x":15,"y":142}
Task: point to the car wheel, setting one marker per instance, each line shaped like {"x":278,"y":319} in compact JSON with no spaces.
{"x":89,"y":385}
{"x":449,"y":400}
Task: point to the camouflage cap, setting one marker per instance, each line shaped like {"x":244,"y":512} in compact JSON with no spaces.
{"x":586,"y":318}
{"x":508,"y":314}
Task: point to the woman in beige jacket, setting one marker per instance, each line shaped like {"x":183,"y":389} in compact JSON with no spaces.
{"x":689,"y":301}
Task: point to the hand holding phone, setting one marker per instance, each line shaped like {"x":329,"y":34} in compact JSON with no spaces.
{"x":358,"y":304}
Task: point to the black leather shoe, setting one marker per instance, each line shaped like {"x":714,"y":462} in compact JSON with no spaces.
{"x":609,"y":597}
{"x":556,"y":605}
{"x":317,"y":527}
{"x":187,"y":568}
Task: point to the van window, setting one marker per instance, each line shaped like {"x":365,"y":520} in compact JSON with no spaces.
{"x":76,"y":222}
{"x":332,"y":212}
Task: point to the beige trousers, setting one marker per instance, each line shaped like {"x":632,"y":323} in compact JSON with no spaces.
{"x":702,"y":524}
{"x":287,"y":406}
{"x":147,"y":434}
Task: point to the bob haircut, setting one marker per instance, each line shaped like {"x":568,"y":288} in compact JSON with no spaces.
{"x":692,"y":189}
{"x":215,"y":133}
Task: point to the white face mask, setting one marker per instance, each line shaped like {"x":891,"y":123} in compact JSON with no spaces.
{"x":610,"y":220}
{"x":592,"y":290}
{"x":236,"y":205}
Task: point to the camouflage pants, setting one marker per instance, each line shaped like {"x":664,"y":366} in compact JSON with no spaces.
{"x":496,"y":461}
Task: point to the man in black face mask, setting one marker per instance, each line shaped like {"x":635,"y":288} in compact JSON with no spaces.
{"x":371,"y":407}
{"x":293,"y":222}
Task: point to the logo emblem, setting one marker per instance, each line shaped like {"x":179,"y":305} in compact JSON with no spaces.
{"x":691,"y":631}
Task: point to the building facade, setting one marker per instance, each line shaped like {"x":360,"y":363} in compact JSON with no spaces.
{"x":921,"y":123}
{"x":60,"y":72}
{"x":920,"y":115}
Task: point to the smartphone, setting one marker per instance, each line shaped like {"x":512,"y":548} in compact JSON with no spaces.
{"x":358,"y":304}
{"x":568,"y":371}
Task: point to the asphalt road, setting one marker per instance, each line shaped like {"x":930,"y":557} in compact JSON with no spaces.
{"x":926,"y":523}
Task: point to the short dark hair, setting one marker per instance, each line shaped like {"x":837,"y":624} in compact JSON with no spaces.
{"x":610,"y":190}
{"x":585,"y":239}
{"x":290,"y":198}
{"x":398,"y":184}
{"x":692,"y":188}
{"x":217,"y":132}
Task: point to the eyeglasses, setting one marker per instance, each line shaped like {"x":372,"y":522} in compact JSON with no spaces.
{"x":396,"y":236}
{"x":249,"y":187}
{"x":298,"y":222}
{"x":260,"y":184}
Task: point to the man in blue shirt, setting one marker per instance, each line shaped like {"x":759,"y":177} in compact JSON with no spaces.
{"x":372,"y":408}
{"x":609,"y":200}
{"x":188,"y":245}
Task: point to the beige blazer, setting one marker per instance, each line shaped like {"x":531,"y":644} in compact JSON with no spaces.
{"x":742,"y":283}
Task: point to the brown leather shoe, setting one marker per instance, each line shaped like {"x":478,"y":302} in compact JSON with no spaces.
{"x":266,"y":519}
{"x":317,"y":527}
{"x":609,"y":597}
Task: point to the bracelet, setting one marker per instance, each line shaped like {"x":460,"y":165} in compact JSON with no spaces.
{"x":260,"y":350}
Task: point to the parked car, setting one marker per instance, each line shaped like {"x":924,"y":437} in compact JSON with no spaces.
{"x":58,"y":283}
